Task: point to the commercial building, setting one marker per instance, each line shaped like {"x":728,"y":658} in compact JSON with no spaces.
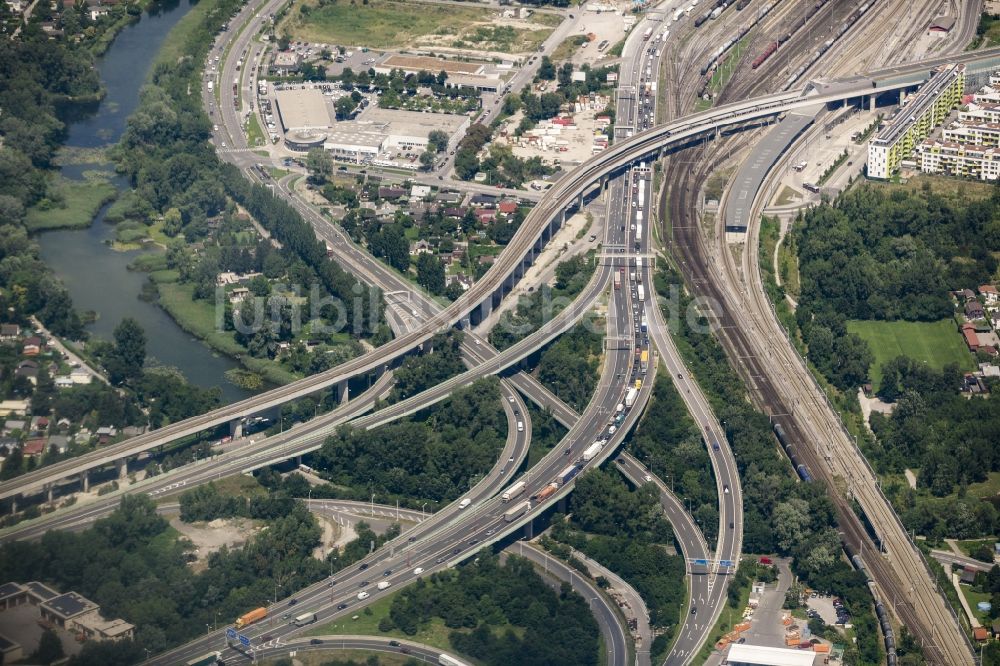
{"x":408,"y":130}
{"x":70,"y":611}
{"x":286,"y":62}
{"x":414,"y":64}
{"x":303,"y":109}
{"x":913,"y":122}
{"x":353,"y":144}
{"x":758,"y":655}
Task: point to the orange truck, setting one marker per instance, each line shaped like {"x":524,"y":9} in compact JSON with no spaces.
{"x":251,"y":617}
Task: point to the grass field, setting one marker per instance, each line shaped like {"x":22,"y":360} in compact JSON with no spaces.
{"x":382,"y":23}
{"x":936,"y":343}
{"x":74,"y":204}
{"x":568,"y":48}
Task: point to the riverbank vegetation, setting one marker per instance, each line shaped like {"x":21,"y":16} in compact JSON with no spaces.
{"x":278,"y":304}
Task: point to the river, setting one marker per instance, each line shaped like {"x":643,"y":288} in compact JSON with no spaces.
{"x":97,"y":276}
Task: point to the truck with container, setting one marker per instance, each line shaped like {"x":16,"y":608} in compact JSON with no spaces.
{"x":618,"y":280}
{"x":512,"y":492}
{"x":643,"y":326}
{"x":251,"y":617}
{"x":546,"y":492}
{"x":647,"y":34}
{"x":591,"y":451}
{"x":211,"y":86}
{"x":638,"y":234}
{"x":304,"y":619}
{"x":644,"y":360}
{"x":445,"y":660}
{"x":515,"y":512}
{"x":630,"y":396}
{"x":642,"y":293}
{"x":567,"y":474}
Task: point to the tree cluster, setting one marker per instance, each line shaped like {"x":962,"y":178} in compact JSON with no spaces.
{"x":436,"y":455}
{"x":130,"y":565}
{"x":886,"y":254}
{"x":483,"y":602}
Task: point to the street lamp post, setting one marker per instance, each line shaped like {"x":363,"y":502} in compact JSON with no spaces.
{"x":422,"y":512}
{"x":373,"y":505}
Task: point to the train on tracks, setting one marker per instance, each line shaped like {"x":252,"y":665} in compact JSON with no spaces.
{"x":800,"y":468}
{"x":888,"y":636}
{"x":852,"y":19}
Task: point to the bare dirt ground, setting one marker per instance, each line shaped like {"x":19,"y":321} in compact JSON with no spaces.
{"x":211,"y":536}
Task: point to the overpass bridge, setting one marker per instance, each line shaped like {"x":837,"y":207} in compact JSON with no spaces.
{"x":565,"y":197}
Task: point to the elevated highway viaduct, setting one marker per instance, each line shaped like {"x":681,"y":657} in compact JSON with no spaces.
{"x":537,"y":229}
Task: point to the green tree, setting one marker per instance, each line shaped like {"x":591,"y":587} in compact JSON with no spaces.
{"x":49,"y":648}
{"x":128,"y":354}
{"x":427,"y":160}
{"x":320,"y":164}
{"x":437,"y":140}
{"x":344,"y":107}
{"x":430,"y":273}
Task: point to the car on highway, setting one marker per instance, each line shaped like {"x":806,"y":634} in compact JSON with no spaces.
{"x":286,"y":616}
{"x":387,"y":572}
{"x":418,"y":571}
{"x":363,"y":567}
{"x":694,"y":611}
{"x":293,"y":602}
{"x":725,"y":488}
{"x":363,"y":595}
{"x":440,"y":560}
{"x":316,"y":641}
{"x":473,"y":542}
{"x":363,"y":583}
{"x":393,"y":643}
{"x":490,"y":532}
{"x":331,"y":583}
{"x":341,"y":606}
{"x":456,"y":551}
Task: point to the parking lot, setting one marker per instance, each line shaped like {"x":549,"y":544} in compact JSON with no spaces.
{"x":828,"y":608}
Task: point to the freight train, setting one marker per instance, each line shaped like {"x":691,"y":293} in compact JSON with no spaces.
{"x":852,"y":18}
{"x":888,"y":636}
{"x":714,"y":59}
{"x":800,"y":468}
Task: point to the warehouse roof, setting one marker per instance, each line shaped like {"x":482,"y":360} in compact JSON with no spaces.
{"x":303,"y":108}
{"x":409,"y":63}
{"x":413,"y":123}
{"x":758,"y":655}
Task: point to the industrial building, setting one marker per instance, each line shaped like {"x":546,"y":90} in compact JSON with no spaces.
{"x":384,"y":131}
{"x":757,"y":655}
{"x":913,"y":122}
{"x":70,"y":611}
{"x":303,"y":109}
{"x":410,"y":64}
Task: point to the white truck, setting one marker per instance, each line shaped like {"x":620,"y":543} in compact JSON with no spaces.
{"x":304,"y":619}
{"x":510,"y":515}
{"x":591,"y":451}
{"x":642,"y":293}
{"x":630,"y":396}
{"x":384,"y":585}
{"x":512,"y":492}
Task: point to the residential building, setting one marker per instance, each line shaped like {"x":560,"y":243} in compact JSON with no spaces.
{"x":745,"y":654}
{"x":957,"y":159}
{"x":971,"y":339}
{"x":9,"y":332}
{"x":925,"y":109}
{"x":33,"y":346}
{"x":990,"y":293}
{"x":974,"y":310}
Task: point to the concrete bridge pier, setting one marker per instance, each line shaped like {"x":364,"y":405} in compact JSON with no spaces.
{"x":381,"y":371}
{"x":85,"y":481}
{"x":561,"y":506}
{"x":343,"y":392}
{"x":529,"y":530}
{"x":236,"y":428}
{"x":871,"y":102}
{"x":13,"y":504}
{"x":49,"y":487}
{"x":121,"y":465}
{"x":485,"y":308}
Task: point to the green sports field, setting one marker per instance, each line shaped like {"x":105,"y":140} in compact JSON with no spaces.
{"x":936,"y":343}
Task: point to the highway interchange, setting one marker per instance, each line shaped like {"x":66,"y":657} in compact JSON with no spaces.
{"x":433,"y":544}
